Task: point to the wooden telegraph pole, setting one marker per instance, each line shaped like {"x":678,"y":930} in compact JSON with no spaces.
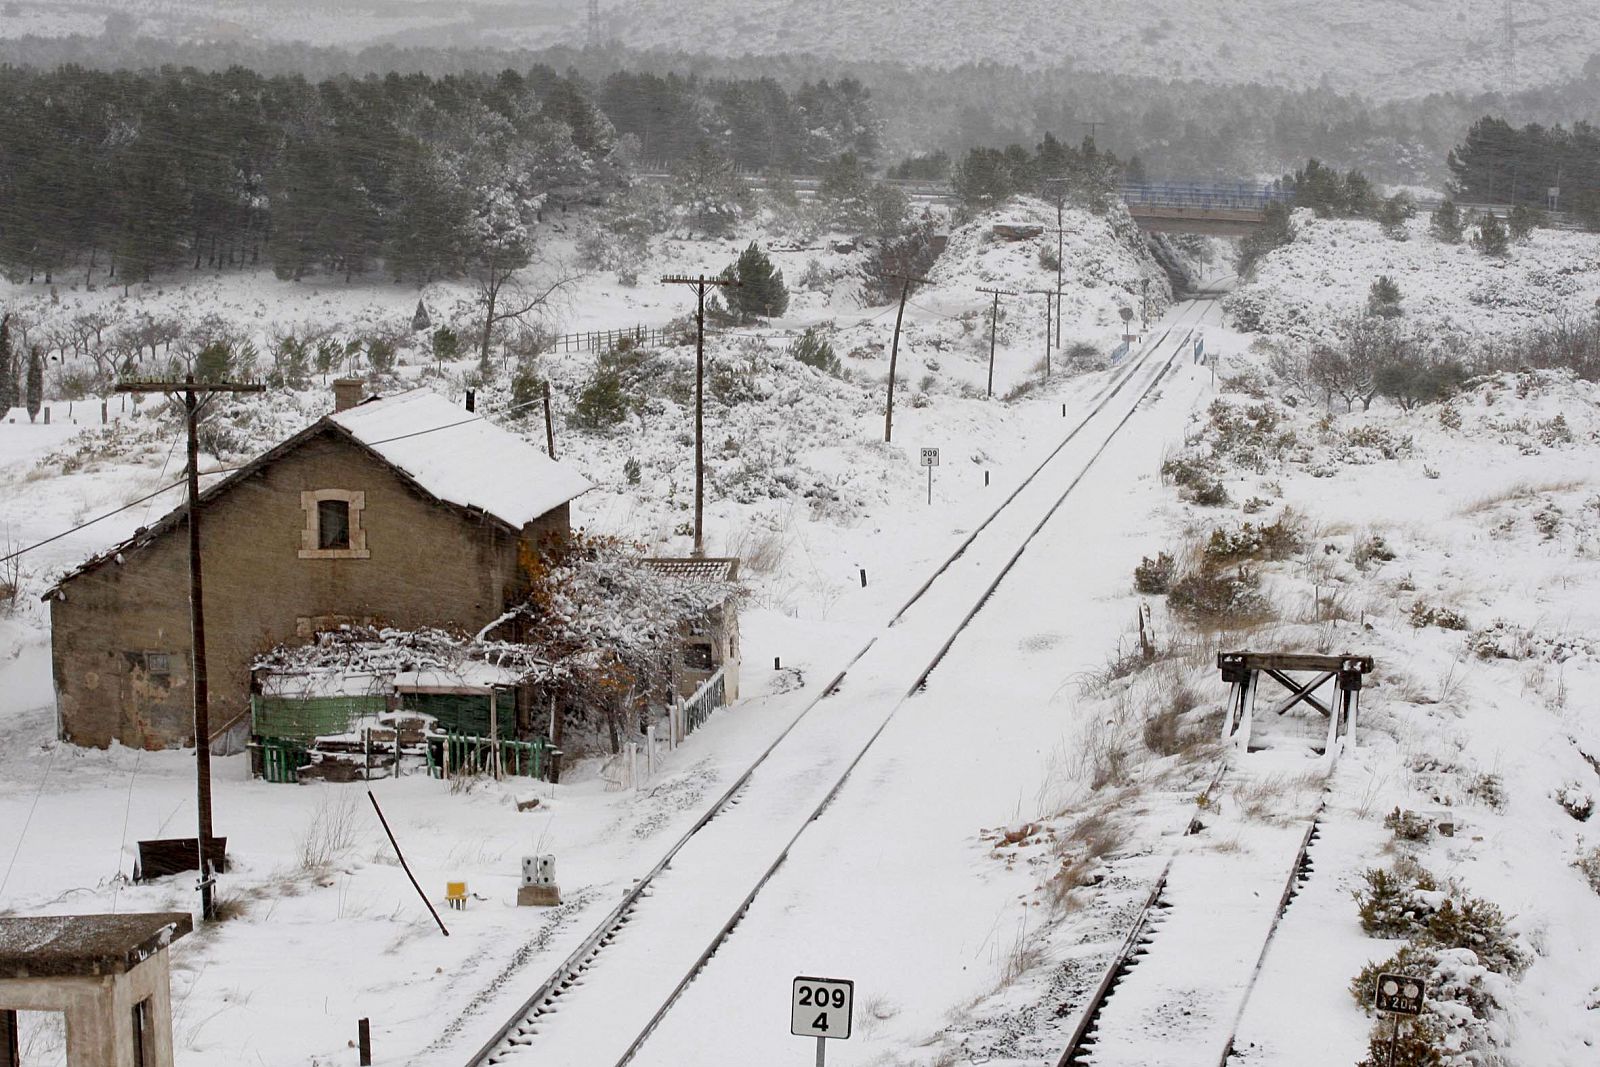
{"x":1049,"y":295}
{"x":994,"y":324}
{"x":906,"y":282}
{"x":549,"y":426}
{"x":700,"y":283}
{"x":1061,"y":203}
{"x":190,"y":391}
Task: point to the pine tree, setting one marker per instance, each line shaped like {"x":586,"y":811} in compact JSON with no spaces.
{"x":8,"y":370}
{"x":761,"y":293}
{"x":1383,"y":299}
{"x":1395,"y":213}
{"x":35,"y":397}
{"x":1446,"y":225}
{"x":1491,"y":237}
{"x":1524,"y":220}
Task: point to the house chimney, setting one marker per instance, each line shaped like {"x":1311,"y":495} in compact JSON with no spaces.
{"x":347,"y":393}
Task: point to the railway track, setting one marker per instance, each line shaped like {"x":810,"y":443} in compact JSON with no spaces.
{"x":1135,"y":1040}
{"x":713,"y":870}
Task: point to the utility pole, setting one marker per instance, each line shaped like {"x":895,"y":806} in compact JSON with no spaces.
{"x":594,"y":23}
{"x":894,"y":352}
{"x":700,"y":283}
{"x":1049,"y":295}
{"x":191,"y":390}
{"x":994,"y":324}
{"x":1060,"y":184}
{"x":1094,"y":127}
{"x":549,"y":427}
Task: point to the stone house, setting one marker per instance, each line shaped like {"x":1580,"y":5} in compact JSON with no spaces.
{"x":405,"y":512}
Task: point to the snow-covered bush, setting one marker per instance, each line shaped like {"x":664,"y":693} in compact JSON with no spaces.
{"x":1407,"y":826}
{"x":1154,"y":576}
{"x":1575,"y":800}
{"x":1588,"y":864}
{"x":1424,"y":614}
{"x":1395,"y":903}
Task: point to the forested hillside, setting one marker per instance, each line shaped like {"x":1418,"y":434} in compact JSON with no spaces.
{"x":141,"y":172}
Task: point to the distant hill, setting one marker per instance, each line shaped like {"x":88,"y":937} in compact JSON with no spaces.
{"x":1385,"y":48}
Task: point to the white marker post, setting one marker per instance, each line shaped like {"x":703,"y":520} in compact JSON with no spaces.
{"x":930,"y":459}
{"x":822,"y":1008}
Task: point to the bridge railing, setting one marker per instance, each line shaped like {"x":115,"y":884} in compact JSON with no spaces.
{"x":1244,"y":196}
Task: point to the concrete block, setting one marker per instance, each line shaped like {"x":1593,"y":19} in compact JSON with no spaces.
{"x":538,"y":896}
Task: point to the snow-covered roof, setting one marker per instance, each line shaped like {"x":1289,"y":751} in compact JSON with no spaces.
{"x":470,"y":674}
{"x":460,"y":457}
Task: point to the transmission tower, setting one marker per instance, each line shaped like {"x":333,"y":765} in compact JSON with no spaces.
{"x":594,"y":22}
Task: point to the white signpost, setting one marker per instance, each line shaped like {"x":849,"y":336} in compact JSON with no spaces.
{"x":930,"y":459}
{"x":822,"y":1008}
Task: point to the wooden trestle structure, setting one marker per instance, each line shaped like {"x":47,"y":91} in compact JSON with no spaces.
{"x":1243,"y":671}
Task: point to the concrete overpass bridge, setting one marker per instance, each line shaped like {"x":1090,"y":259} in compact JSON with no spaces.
{"x":1214,"y":209}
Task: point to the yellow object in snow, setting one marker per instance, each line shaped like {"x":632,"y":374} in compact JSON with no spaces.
{"x":456,"y":894}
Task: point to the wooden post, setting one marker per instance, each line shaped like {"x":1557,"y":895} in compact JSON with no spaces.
{"x":404,"y":865}
{"x":549,"y":426}
{"x":1049,"y":296}
{"x":1247,"y":707}
{"x":364,"y":1042}
{"x":494,"y":735}
{"x":994,"y":326}
{"x":10,"y":1040}
{"x":190,"y":391}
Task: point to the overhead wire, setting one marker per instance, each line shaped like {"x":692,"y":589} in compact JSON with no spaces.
{"x":382,"y":441}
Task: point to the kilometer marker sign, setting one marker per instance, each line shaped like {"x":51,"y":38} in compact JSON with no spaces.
{"x":822,"y":1008}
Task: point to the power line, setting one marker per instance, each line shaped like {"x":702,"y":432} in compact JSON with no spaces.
{"x":229,"y":470}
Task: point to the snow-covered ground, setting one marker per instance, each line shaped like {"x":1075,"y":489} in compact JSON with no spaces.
{"x":983,"y":861}
{"x":1301,"y":291}
{"x":319,"y":891}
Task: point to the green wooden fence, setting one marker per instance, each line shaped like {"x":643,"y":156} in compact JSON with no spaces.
{"x":281,"y":760}
{"x":463,"y":753}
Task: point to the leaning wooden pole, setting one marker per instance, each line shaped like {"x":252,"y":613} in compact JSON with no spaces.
{"x":401,"y":856}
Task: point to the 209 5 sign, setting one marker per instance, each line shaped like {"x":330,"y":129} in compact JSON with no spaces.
{"x":821,"y":1007}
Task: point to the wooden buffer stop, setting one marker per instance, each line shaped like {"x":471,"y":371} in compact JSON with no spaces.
{"x":107,"y":973}
{"x":1302,"y":675}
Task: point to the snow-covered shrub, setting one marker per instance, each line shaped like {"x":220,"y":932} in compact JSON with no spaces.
{"x":1407,"y":825}
{"x":1488,"y":790}
{"x":1154,"y":576}
{"x":1479,"y":925}
{"x":1417,"y":1045}
{"x":1460,"y":1021}
{"x":1267,"y":541}
{"x":1588,"y":864}
{"x":1424,"y":614}
{"x":815,"y":350}
{"x":1395,"y":903}
{"x":1222,"y":598}
{"x":1575,"y":800}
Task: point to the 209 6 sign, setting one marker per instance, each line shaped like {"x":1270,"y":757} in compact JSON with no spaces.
{"x":821,"y":1007}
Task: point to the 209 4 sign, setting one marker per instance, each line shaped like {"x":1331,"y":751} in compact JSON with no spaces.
{"x":822,"y":1007}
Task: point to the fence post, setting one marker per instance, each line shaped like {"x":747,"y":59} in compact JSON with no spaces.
{"x":650,"y":751}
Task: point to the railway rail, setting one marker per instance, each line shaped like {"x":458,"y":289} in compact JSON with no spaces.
{"x":696,"y":869}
